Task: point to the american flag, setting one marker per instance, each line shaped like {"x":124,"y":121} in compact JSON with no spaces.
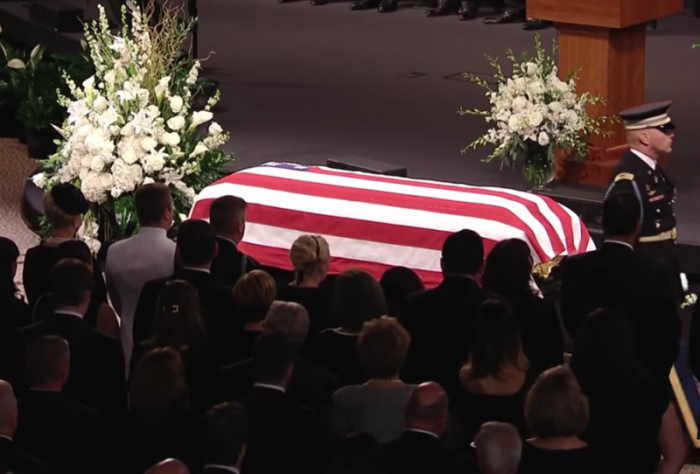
{"x":375,"y":222}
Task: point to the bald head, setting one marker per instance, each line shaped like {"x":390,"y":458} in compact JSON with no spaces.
{"x":169,"y":466}
{"x":8,"y":409}
{"x":427,"y":408}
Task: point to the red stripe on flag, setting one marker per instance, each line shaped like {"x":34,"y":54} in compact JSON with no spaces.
{"x":476,"y":210}
{"x":279,"y":258}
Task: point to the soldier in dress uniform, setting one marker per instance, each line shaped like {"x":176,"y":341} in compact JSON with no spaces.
{"x":650,"y":136}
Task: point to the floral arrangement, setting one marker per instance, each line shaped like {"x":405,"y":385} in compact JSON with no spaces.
{"x":134,"y":123}
{"x":534,"y":114}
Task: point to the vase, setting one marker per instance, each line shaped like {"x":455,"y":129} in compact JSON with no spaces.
{"x":40,"y":143}
{"x":538,"y":167}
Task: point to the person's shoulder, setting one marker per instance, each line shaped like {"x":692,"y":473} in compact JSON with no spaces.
{"x":346,"y":394}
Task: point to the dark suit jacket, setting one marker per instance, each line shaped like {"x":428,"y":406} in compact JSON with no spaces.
{"x":440,"y":322}
{"x":421,"y":453}
{"x":283,"y":436}
{"x":13,"y":460}
{"x":311,"y":385}
{"x":216,"y":303}
{"x":96,"y":363}
{"x":230,"y":264}
{"x":68,"y":436}
{"x":615,"y":277}
{"x":215,"y":470}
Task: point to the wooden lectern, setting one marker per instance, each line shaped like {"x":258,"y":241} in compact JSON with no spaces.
{"x":606,"y":41}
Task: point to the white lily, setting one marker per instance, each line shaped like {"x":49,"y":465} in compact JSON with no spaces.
{"x":198,"y":150}
{"x":59,"y":130}
{"x":35,"y":51}
{"x":201,"y":117}
{"x":16,"y":64}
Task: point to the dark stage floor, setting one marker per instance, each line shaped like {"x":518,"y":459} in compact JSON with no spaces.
{"x":303,"y":83}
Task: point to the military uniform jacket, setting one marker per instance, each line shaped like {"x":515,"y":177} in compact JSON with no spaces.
{"x":656,"y":192}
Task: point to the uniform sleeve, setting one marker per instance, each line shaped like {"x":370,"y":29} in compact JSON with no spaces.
{"x":626,"y":182}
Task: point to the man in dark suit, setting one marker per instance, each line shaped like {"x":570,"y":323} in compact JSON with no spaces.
{"x":615,"y":277}
{"x":283,"y":435}
{"x":310,"y":385}
{"x":196,"y":248}
{"x":66,"y":435}
{"x":224,"y":437}
{"x":96,"y":362}
{"x":227,"y":216}
{"x":420,"y":450}
{"x":440,"y":320}
{"x":12,"y":459}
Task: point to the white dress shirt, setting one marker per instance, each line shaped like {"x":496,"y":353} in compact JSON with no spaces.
{"x":611,"y":241}
{"x":271,"y":387}
{"x":651,"y":163}
{"x":130,"y":264}
{"x":424,"y":432}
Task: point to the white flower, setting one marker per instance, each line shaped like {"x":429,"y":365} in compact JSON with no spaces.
{"x":16,"y":64}
{"x":88,"y":84}
{"x":529,"y":68}
{"x":155,"y":161}
{"x":39,"y":180}
{"x":543,"y":139}
{"x":200,"y":117}
{"x":148,"y":181}
{"x":520,"y":103}
{"x":170,"y":139}
{"x":535,"y":118}
{"x":96,"y":186}
{"x":176,"y":104}
{"x":110,"y":78}
{"x":215,"y":129}
{"x":126,"y":177}
{"x":88,"y":234}
{"x":108,"y":117}
{"x":127,"y":130}
{"x":176,"y":123}
{"x":148,"y":143}
{"x":162,"y":87}
{"x":100,"y":104}
{"x":198,"y":150}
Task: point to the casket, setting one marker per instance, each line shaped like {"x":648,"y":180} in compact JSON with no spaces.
{"x":376,"y":222}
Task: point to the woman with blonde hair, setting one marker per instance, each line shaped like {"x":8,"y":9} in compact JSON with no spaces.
{"x":253,"y":294}
{"x":310,"y":257}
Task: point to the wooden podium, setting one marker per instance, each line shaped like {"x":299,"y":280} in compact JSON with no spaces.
{"x":606,"y":41}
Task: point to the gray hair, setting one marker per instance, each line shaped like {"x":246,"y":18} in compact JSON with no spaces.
{"x":498,"y":447}
{"x":8,"y":404}
{"x":291,"y":319}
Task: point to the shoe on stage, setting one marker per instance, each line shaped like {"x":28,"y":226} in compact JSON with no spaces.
{"x":388,"y":6}
{"x":444,"y":8}
{"x":467,"y":13}
{"x":505,"y":18}
{"x":533,"y":24}
{"x":364,"y":4}
{"x":318,"y":3}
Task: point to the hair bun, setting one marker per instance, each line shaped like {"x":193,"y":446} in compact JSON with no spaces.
{"x":69,"y":199}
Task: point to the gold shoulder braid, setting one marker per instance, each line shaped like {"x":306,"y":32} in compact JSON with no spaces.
{"x":625,"y":176}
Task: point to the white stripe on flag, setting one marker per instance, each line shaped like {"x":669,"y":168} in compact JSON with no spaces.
{"x":488,"y":229}
{"x":518,"y":209}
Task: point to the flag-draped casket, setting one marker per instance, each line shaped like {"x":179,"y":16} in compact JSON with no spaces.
{"x":376,"y":222}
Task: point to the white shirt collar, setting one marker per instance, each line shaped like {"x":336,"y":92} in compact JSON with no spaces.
{"x":68,"y":312}
{"x":196,"y":269}
{"x":223,"y":468}
{"x":612,"y":241}
{"x":649,"y":161}
{"x":424,"y":432}
{"x":6,"y":437}
{"x":226,"y":238}
{"x":271,"y":387}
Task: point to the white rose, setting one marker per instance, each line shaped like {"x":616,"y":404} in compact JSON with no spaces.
{"x":530,"y":68}
{"x":520,"y":103}
{"x":176,"y":104}
{"x":100,"y":104}
{"x":535,"y":119}
{"x":514,"y":123}
{"x":572,"y":117}
{"x":215,"y":129}
{"x":198,"y":150}
{"x":154,"y":162}
{"x":39,"y":180}
{"x":176,"y":123}
{"x":198,"y":118}
{"x":148,"y":143}
{"x":555,"y":107}
{"x":170,"y":139}
{"x":543,"y":139}
{"x":128,"y":130}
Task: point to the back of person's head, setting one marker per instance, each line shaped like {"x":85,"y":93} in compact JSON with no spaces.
{"x":64,"y":206}
{"x":397,"y":283}
{"x":508,"y":270}
{"x":272,"y":358}
{"x":253,"y":294}
{"x":154,"y":205}
{"x":196,"y":243}
{"x":8,"y":409}
{"x":498,"y":448}
{"x":169,"y":466}
{"x":496,"y":342}
{"x":227,"y":215}
{"x":309,"y":254}
{"x":71,"y":283}
{"x":427,"y":408}
{"x":75,"y":249}
{"x":357,"y":298}
{"x":159,"y":386}
{"x":382,"y":347}
{"x":604,"y":349}
{"x":462,"y":253}
{"x":224,"y":434}
{"x":621,"y":214}
{"x":555,"y":406}
{"x":178,"y":320}
{"x":9,"y":253}
{"x":290,"y":319}
{"x":48,"y":361}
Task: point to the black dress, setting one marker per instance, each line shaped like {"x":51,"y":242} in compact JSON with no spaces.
{"x":14,"y":314}
{"x":541,"y":333}
{"x":337,"y":352}
{"x":584,"y":460}
{"x":317,"y":302}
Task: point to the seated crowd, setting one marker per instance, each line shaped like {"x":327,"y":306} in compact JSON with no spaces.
{"x":185,"y":356}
